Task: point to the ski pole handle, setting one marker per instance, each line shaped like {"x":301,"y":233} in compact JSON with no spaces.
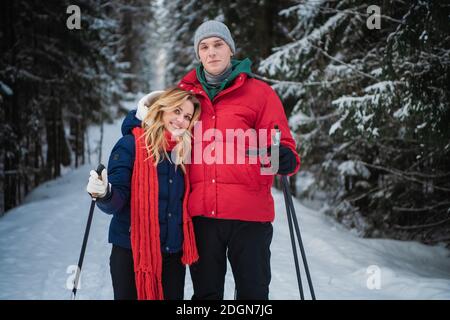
{"x":99,"y":173}
{"x":277,"y":137}
{"x":99,"y":170}
{"x":267,"y":150}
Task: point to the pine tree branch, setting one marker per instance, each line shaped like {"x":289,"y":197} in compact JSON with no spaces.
{"x":402,"y":174}
{"x":421,"y":209}
{"x":421,"y":160}
{"x":365,"y":15}
{"x":350,"y":11}
{"x":301,"y":84}
{"x":430,"y":225}
{"x":363,"y":195}
{"x":320,"y":118}
{"x":332,"y":58}
{"x":343,"y":63}
{"x":429,"y":176}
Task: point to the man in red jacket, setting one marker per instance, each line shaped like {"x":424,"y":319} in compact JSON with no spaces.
{"x":230,"y":200}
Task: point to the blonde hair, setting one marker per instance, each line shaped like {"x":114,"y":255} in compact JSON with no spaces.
{"x":155,"y":139}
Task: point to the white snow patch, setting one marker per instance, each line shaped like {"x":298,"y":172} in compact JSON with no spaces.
{"x":42,"y":238}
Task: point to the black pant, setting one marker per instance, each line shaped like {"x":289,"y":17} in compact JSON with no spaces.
{"x":122,"y":274}
{"x":247,"y":245}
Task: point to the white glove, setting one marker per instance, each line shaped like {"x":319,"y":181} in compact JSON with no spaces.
{"x":98,"y":188}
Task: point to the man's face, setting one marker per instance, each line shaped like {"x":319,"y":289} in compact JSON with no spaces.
{"x":214,"y":54}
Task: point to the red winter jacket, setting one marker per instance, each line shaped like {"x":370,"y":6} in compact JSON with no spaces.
{"x":221,"y":188}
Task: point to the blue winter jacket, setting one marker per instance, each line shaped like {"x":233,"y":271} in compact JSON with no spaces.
{"x":117,"y":200}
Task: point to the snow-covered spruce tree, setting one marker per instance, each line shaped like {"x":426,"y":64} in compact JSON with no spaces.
{"x":54,"y":82}
{"x":371,"y":113}
{"x":418,"y":57}
{"x":134,"y":46}
{"x":255,"y":25}
{"x":97,"y":76}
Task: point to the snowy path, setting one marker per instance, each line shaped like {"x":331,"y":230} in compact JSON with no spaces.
{"x":40,"y":239}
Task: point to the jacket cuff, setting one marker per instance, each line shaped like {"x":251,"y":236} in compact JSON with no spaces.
{"x":107,"y":196}
{"x":297,"y":160}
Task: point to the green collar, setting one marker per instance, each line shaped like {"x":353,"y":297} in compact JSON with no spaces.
{"x":238,"y":67}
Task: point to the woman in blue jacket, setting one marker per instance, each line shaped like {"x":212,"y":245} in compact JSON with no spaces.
{"x":145,"y":190}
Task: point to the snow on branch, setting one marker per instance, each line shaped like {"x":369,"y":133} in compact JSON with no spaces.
{"x":6,"y":89}
{"x":297,"y":83}
{"x":354,"y":168}
{"x":279,"y":61}
{"x":343,"y":63}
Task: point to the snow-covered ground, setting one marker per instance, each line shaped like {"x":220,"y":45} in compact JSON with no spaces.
{"x":41,"y":239}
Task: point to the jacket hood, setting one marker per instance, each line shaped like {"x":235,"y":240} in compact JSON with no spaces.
{"x":134,"y":118}
{"x":145,"y":102}
{"x":130,"y":122}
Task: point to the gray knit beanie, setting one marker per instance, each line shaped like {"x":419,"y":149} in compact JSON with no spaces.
{"x":213,"y":28}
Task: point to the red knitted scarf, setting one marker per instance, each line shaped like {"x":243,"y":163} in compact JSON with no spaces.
{"x":145,"y":242}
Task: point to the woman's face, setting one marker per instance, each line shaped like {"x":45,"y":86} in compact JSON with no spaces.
{"x":178,"y":120}
{"x":214,"y":54}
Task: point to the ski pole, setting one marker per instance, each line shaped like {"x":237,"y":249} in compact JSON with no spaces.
{"x":299,"y":237}
{"x":292,"y":218}
{"x":294,"y":248}
{"x":85,"y":238}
